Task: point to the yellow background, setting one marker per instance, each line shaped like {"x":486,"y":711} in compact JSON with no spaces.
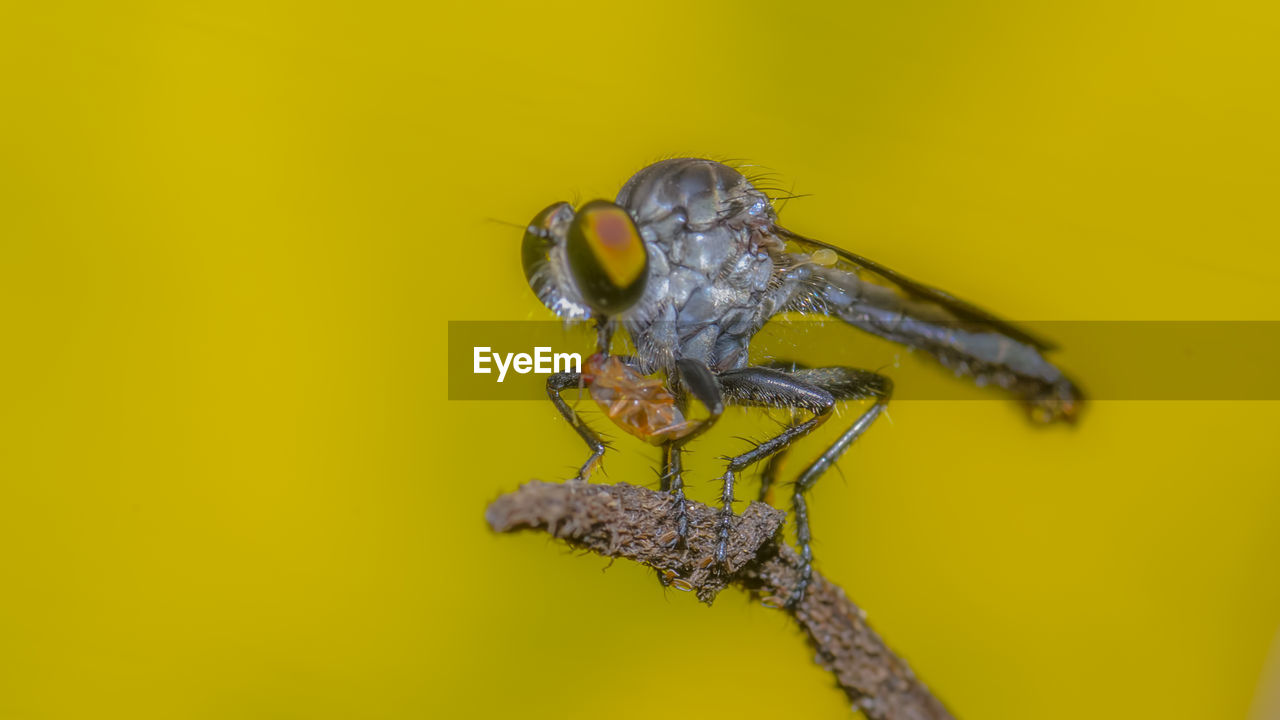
{"x":231,"y":235}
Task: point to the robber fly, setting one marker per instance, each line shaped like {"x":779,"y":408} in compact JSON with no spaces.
{"x":691,"y":261}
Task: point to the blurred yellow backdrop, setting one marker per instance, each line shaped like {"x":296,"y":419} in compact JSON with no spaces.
{"x":231,"y":235}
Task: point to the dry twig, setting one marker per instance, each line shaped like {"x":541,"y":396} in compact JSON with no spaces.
{"x":636,"y":523}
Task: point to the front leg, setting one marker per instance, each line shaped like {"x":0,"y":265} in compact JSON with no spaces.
{"x":557,"y":383}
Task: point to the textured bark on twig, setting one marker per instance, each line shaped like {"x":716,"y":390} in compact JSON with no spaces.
{"x":637,"y":523}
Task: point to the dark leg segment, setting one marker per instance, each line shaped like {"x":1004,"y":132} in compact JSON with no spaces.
{"x":769,"y":476}
{"x":843,"y":384}
{"x":770,"y":388}
{"x":672,"y":482}
{"x":774,"y":464}
{"x":558,"y":383}
{"x":694,"y":379}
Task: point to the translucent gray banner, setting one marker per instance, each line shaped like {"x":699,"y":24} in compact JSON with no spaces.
{"x":1114,"y":360}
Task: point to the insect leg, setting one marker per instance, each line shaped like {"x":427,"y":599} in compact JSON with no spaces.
{"x":844,"y":384}
{"x":770,"y":474}
{"x":694,"y":379}
{"x":774,"y":464}
{"x":768,"y":388}
{"x":557,"y":383}
{"x":672,"y":482}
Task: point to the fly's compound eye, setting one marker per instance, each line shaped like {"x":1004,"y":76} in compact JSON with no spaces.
{"x":607,"y":257}
{"x":540,"y":235}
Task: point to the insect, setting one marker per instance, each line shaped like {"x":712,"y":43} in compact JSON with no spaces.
{"x":643,"y":406}
{"x":690,"y":260}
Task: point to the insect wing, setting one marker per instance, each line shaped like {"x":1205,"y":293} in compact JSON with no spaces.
{"x":871,"y":271}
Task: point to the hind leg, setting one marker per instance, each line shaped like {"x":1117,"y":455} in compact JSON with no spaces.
{"x":844,"y":384}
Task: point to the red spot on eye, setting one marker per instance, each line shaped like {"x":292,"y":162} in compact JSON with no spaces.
{"x":613,"y":229}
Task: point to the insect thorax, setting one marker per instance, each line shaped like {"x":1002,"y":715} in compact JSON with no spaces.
{"x":713,"y":261}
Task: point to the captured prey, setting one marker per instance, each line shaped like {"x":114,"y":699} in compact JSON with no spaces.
{"x":689,"y":259}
